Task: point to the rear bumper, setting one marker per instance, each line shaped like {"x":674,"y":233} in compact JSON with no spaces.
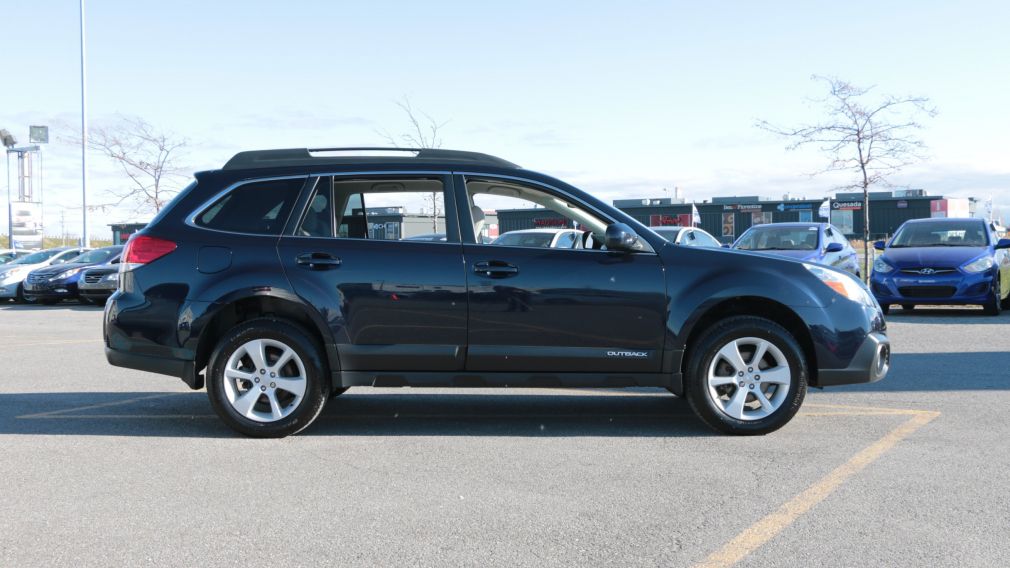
{"x":871,"y":363}
{"x":160,"y":365}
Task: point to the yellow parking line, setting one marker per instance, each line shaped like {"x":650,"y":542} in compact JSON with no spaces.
{"x":55,"y":342}
{"x":61,"y":413}
{"x":767,"y":528}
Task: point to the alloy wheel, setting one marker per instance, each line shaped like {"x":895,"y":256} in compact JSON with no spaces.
{"x":749,"y":378}
{"x":264,"y":380}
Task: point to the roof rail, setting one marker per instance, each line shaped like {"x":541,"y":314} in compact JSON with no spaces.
{"x":304,"y":157}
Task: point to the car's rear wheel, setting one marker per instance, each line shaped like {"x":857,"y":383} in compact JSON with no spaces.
{"x":994,"y":305}
{"x":266,"y":378}
{"x":746,"y":375}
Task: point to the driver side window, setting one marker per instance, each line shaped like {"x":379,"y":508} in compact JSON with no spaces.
{"x":506,"y":213}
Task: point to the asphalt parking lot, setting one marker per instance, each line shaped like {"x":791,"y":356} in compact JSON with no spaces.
{"x":107,"y":466}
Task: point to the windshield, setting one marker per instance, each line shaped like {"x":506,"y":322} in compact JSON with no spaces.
{"x":37,"y":257}
{"x":779,"y":238}
{"x":952,"y":233}
{"x":668,"y":234}
{"x":542,"y":240}
{"x":95,"y":256}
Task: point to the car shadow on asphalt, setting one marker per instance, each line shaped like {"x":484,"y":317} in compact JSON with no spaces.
{"x":947,"y":315}
{"x":365,"y":413}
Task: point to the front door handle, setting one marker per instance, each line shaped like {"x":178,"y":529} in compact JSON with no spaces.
{"x":317,"y":260}
{"x":495,"y":269}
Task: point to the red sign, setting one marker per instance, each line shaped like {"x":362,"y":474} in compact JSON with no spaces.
{"x":682,"y":220}
{"x":558,"y":222}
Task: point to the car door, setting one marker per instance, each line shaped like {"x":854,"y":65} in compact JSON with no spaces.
{"x":392,"y":304}
{"x":549,"y":309}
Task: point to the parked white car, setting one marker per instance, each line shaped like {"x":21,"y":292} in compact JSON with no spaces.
{"x":13,"y":274}
{"x":687,"y":236}
{"x":542,"y":238}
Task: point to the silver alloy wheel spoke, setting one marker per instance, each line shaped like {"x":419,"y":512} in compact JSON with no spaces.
{"x":284,"y":382}
{"x":293,"y":385}
{"x":731,"y":353}
{"x":245,"y":402}
{"x":735,"y":408}
{"x":777,"y":376}
{"x":731,"y":393}
{"x":256,"y":350}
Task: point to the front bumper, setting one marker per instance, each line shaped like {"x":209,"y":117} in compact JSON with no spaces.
{"x":871,"y":363}
{"x":9,"y":290}
{"x":58,"y":289}
{"x":951,"y":289}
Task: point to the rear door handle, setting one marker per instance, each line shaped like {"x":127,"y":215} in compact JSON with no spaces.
{"x":495,"y":269}
{"x":317,"y":260}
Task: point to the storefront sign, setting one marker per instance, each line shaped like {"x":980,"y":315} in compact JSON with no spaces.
{"x":846,"y":205}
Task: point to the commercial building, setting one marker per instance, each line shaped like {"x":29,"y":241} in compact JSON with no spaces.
{"x":728,"y":217}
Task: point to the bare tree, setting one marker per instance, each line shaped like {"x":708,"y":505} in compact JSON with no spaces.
{"x":422,"y":133}
{"x":148,"y":157}
{"x":871,"y":139}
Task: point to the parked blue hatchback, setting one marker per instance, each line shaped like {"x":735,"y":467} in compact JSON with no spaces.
{"x":943,"y":261}
{"x":819,"y":243}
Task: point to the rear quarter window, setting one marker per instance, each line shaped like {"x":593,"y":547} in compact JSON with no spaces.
{"x":259,"y":207}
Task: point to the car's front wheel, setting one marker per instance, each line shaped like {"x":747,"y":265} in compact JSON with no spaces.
{"x":994,"y":305}
{"x":266,"y":378}
{"x":746,"y":375}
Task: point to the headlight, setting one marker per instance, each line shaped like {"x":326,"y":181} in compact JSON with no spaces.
{"x":880,"y":266}
{"x":111,"y":277}
{"x":979,"y":264}
{"x":65,"y":274}
{"x":10,"y":273}
{"x":842,"y":283}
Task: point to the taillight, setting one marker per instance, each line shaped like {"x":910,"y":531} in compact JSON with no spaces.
{"x":142,"y":249}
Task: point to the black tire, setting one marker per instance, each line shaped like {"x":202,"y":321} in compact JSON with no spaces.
{"x":994,"y":305}
{"x":317,"y":379}
{"x":703,"y":354}
{"x":85,"y":301}
{"x":886,"y":308}
{"x":20,"y":298}
{"x":335,"y":392}
{"x":908,"y":307}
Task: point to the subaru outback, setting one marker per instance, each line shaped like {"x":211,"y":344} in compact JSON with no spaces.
{"x":288,"y":276}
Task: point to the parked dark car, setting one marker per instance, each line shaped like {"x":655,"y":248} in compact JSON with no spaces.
{"x":96,"y":284}
{"x":943,"y":261}
{"x":51,"y":284}
{"x":277,"y":306}
{"x":821,"y":243}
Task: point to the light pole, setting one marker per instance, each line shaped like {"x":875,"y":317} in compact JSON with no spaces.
{"x":85,"y":241}
{"x":8,"y":142}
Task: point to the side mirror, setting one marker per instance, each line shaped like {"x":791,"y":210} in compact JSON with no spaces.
{"x":879,"y":245}
{"x":620,"y":237}
{"x":1003,"y":244}
{"x":834,"y":247}
{"x":727,"y":246}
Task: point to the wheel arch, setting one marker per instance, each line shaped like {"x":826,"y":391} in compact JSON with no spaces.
{"x":756,"y":306}
{"x":250,"y":304}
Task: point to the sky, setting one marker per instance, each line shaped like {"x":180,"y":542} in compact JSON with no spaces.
{"x":621,"y":99}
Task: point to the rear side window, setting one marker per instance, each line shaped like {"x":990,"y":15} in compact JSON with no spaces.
{"x":260,"y":208}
